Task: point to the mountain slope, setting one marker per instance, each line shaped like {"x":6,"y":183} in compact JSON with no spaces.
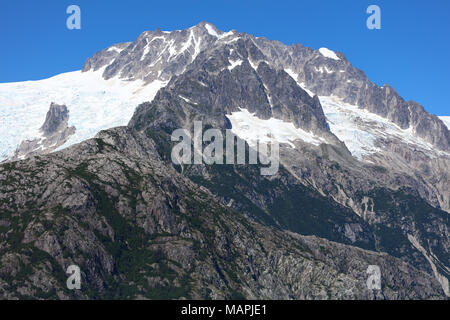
{"x":138,"y":229}
{"x":358,"y":165}
{"x":326,"y":166}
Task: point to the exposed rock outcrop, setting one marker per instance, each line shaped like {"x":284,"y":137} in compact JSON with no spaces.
{"x":55,"y":132}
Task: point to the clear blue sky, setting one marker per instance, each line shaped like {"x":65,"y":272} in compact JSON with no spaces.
{"x":410,"y":52}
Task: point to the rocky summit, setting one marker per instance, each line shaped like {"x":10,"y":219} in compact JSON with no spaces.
{"x":362,"y":183}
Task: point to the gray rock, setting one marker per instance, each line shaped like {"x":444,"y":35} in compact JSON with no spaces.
{"x":55,"y":132}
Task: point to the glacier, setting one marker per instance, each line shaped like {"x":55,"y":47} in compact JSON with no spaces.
{"x":94,"y":104}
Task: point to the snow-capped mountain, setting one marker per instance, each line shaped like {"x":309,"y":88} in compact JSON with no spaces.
{"x":115,"y":80}
{"x":105,"y":93}
{"x":359,"y":165}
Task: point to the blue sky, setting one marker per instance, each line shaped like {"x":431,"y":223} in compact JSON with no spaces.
{"x":410,"y":52}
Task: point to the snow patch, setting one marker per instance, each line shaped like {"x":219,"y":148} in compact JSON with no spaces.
{"x":254,"y":65}
{"x":232,"y":40}
{"x":252,"y":129}
{"x":211,"y":30}
{"x":446,"y":120}
{"x":187,"y":100}
{"x":300,"y":84}
{"x":292,"y":74}
{"x":114,"y":48}
{"x":234,"y":64}
{"x":323,"y":69}
{"x":327,"y":53}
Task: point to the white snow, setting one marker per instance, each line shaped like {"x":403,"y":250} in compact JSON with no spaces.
{"x":172,"y":49}
{"x":226,"y":34}
{"x":211,"y":30}
{"x":359,"y":129}
{"x":191,"y":41}
{"x":148,"y":46}
{"x":269,"y":96}
{"x":187,"y":100}
{"x":114,"y":48}
{"x":187,"y":44}
{"x":232,"y":40}
{"x":254,"y":65}
{"x":446,"y":120}
{"x":146,"y":50}
{"x":301,"y":84}
{"x":234,"y":64}
{"x":321,"y":69}
{"x":292,"y":74}
{"x":219,"y":36}
{"x":252,"y":129}
{"x":342,"y":120}
{"x":94,"y":104}
{"x":197,"y":43}
{"x":328,"y":71}
{"x":327,"y":53}
{"x":156,"y":38}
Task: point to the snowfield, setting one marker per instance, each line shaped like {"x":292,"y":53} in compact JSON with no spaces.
{"x":327,"y":53}
{"x":359,"y":129}
{"x":250,"y":128}
{"x":94,"y":104}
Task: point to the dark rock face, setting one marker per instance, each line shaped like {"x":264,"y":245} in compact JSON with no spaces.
{"x":55,"y":132}
{"x":139,"y":229}
{"x":216,"y":88}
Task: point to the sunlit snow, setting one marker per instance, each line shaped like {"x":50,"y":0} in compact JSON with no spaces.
{"x":295,"y":77}
{"x":211,"y":30}
{"x":327,"y":53}
{"x":359,"y":129}
{"x":252,"y":129}
{"x":94,"y":104}
{"x":446,"y":120}
{"x":234,"y":64}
